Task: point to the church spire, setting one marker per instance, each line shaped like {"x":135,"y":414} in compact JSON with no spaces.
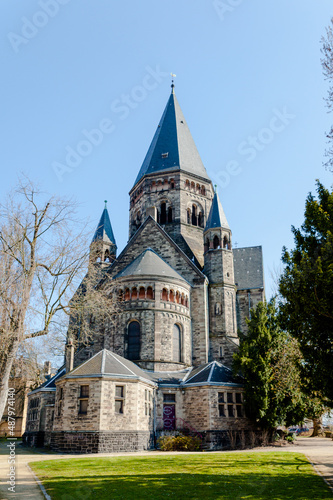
{"x":172,"y":147}
{"x":103,"y":247}
{"x":216,"y":218}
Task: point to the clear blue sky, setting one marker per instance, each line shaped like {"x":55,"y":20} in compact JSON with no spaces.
{"x":68,"y":65}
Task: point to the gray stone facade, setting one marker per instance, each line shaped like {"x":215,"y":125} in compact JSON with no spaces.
{"x":181,"y":295}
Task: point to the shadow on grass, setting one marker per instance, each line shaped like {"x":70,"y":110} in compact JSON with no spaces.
{"x":222,"y":483}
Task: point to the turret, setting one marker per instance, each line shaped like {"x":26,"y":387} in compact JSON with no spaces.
{"x":219,"y":269}
{"x":103,"y":248}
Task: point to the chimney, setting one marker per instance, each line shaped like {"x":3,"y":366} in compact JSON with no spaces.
{"x":47,"y":369}
{"x":69,"y":356}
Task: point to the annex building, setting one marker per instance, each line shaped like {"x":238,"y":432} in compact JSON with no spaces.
{"x":183,"y":293}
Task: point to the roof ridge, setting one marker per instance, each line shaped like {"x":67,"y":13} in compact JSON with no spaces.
{"x":114,"y":355}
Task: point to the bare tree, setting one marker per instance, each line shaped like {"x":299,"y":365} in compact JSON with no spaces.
{"x":43,"y":258}
{"x":327,"y":65}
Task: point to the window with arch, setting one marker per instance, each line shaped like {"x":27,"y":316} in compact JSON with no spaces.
{"x":203,"y":190}
{"x":182,"y":299}
{"x":127,"y":294}
{"x":134,"y":293}
{"x":172,"y":184}
{"x":216,"y":242}
{"x":150,"y":293}
{"x":176,"y":343}
{"x":187,"y":184}
{"x":226,"y":243}
{"x":188,"y":216}
{"x":169,"y":214}
{"x":134,"y":341}
{"x":164,"y":294}
{"x":192,"y":186}
{"x":172,"y":296}
{"x":197,"y":187}
{"x":142,"y":293}
{"x":194,"y":215}
{"x":177,"y":297}
{"x":163,"y":214}
{"x":200,"y":220}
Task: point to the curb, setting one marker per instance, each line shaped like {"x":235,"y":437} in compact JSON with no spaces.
{"x":43,"y":490}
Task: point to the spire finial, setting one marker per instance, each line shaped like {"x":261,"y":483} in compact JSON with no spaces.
{"x":105,"y":201}
{"x":215,"y":188}
{"x":172,"y":83}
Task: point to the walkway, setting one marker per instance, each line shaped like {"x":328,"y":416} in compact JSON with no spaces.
{"x":318,"y":450}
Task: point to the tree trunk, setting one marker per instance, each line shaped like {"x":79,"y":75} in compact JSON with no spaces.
{"x":317,"y":426}
{"x":4,"y":379}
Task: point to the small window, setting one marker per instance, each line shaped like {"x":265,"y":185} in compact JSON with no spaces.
{"x":238,"y":398}
{"x":229,"y":397}
{"x":230,"y":411}
{"x":119,"y":399}
{"x":83,"y":409}
{"x":220,"y":398}
{"x":84,"y":391}
{"x":164,"y":155}
{"x":169,"y":398}
{"x":239,"y":411}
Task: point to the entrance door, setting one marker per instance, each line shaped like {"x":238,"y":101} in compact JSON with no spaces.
{"x":169,"y":417}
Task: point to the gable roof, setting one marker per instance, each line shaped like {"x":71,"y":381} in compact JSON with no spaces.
{"x":172,"y":147}
{"x":109,"y":364}
{"x":248,"y":268}
{"x":151,"y":264}
{"x":104,"y":229}
{"x":124,"y":258}
{"x":216,"y":217}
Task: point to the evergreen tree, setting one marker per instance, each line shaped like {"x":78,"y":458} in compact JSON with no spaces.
{"x":306,"y":286}
{"x":268,"y":359}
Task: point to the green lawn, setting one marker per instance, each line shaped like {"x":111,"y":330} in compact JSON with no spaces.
{"x":251,"y":476}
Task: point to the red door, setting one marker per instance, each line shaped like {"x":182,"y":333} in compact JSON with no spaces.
{"x":169,"y":417}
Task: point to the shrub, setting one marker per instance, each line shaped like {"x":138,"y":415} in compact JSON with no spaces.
{"x":179,"y":443}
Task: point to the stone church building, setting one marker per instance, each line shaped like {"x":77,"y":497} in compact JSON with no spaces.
{"x":183,"y":294}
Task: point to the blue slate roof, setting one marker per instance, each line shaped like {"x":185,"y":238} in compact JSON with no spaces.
{"x":104,"y":228}
{"x":172,"y":147}
{"x":151,"y":264}
{"x":213,"y":373}
{"x":216,"y":216}
{"x":249,"y":268}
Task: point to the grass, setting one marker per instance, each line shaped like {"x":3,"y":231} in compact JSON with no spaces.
{"x":250,"y":476}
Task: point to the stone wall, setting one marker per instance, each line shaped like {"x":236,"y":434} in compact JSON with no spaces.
{"x":101,"y":442}
{"x":246,"y":300}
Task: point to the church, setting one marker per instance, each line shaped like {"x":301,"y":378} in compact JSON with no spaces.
{"x":183,"y":293}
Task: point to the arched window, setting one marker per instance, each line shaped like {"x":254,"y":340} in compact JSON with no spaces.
{"x":176,"y":344}
{"x":169,"y":214}
{"x":164,"y":294}
{"x":206,"y":245}
{"x":172,"y":296}
{"x":133,"y":349}
{"x":225,"y":242}
{"x":150,"y":293}
{"x":194,"y":215}
{"x":134,"y":293}
{"x":127,"y":294}
{"x":172,"y":184}
{"x":163,"y":215}
{"x":192,"y":186}
{"x":182,"y":299}
{"x":177,"y":297}
{"x":187,"y":184}
{"x":203,"y":190}
{"x":107,"y":256}
{"x":216,"y":242}
{"x":200,"y":219}
{"x":142,"y":293}
{"x":198,"y":188}
{"x":186,"y":301}
{"x":188,"y":216}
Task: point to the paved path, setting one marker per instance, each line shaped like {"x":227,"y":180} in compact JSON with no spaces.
{"x":318,"y":450}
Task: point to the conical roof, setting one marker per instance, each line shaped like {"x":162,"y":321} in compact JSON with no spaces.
{"x":104,"y":229}
{"x":148,"y":263}
{"x":172,"y":147}
{"x":216,"y":216}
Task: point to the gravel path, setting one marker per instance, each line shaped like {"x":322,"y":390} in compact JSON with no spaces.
{"x":318,"y":450}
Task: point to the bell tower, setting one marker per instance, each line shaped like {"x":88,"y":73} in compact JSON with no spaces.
{"x":219,"y":269}
{"x":172,"y":185}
